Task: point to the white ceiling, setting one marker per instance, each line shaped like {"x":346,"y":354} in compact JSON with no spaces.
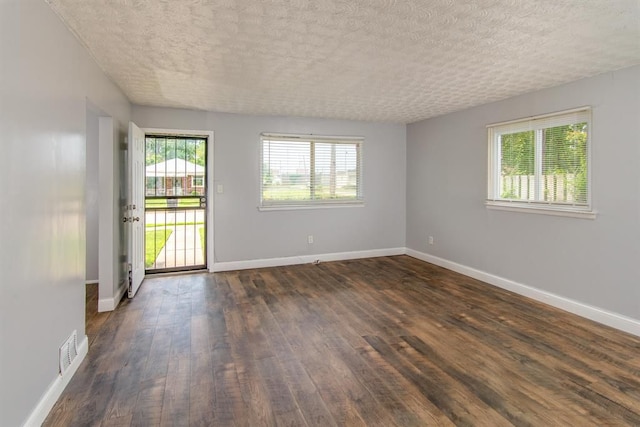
{"x":381,"y":60}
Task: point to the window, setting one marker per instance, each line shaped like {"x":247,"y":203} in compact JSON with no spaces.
{"x":542,"y":163}
{"x":307,"y":170}
{"x":197,"y":181}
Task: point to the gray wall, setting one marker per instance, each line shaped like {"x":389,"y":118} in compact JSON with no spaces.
{"x":244,"y":233}
{"x":92,"y":195}
{"x":596,"y":262}
{"x":46,"y":79}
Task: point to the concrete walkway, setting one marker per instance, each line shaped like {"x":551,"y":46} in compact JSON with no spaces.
{"x":183,"y":248}
{"x":168,"y":217}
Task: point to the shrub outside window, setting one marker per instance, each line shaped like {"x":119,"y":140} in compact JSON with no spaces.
{"x":310,"y":171}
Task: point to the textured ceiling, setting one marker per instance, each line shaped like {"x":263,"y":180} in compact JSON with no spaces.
{"x":382,"y":60}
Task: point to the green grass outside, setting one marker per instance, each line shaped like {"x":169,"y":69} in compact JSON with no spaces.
{"x":202,"y":240}
{"x":285,"y":193}
{"x":302,"y":193}
{"x":170,"y":224}
{"x":154,"y":241}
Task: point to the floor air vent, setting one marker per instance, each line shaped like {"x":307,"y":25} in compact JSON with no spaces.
{"x":68,"y":352}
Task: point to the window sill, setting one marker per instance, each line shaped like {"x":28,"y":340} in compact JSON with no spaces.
{"x":540,"y":209}
{"x":310,"y":206}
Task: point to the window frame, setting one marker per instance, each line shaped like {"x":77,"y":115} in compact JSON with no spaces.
{"x":197,"y":177}
{"x":537,"y":124}
{"x":358,"y":201}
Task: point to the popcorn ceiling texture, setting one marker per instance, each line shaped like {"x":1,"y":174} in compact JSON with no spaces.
{"x":380,"y":60}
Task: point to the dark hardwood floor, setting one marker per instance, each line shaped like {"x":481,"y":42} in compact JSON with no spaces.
{"x":382,"y":341}
{"x":94,"y":320}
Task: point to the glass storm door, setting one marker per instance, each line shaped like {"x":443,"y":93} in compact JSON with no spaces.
{"x":175,"y":203}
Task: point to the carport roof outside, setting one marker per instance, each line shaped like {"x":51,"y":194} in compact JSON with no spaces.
{"x":175,"y":168}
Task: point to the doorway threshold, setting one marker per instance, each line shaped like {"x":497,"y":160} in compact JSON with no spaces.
{"x":180,"y":272}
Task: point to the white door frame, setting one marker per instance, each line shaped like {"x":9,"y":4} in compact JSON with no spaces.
{"x":109,"y":291}
{"x":210,"y":180}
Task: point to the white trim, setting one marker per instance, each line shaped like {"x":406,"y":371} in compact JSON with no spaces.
{"x":211,"y":193}
{"x":177,"y":132}
{"x":305,"y":259}
{"x":310,"y":136}
{"x":541,"y":116}
{"x":55,"y":389}
{"x":539,"y":209}
{"x":110,"y":304}
{"x":91,"y":282}
{"x":609,"y":318}
{"x":109,"y":217}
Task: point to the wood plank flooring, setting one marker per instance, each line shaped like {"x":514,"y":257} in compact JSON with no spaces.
{"x":381,"y":342}
{"x":93,"y":319}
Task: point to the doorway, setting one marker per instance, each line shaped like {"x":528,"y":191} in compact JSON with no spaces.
{"x":175,"y":203}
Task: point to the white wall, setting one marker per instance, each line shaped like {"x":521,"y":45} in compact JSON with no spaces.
{"x":595,"y":262}
{"x":46,"y":80}
{"x":244,"y":233}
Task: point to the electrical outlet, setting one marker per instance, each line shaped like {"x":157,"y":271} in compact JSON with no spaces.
{"x":431,"y":240}
{"x":310,"y":239}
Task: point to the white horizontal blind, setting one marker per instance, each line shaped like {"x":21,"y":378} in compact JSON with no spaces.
{"x":541,"y":160}
{"x":303,"y":170}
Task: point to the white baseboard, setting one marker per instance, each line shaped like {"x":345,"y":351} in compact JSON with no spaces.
{"x":609,"y":318}
{"x":110,"y":304}
{"x":304,"y":259}
{"x":91,"y":282}
{"x":50,"y":397}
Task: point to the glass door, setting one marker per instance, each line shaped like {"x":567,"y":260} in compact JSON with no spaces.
{"x":175,"y":203}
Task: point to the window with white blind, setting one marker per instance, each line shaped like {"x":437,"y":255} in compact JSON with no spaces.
{"x":541,"y":164}
{"x":308,"y":170}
